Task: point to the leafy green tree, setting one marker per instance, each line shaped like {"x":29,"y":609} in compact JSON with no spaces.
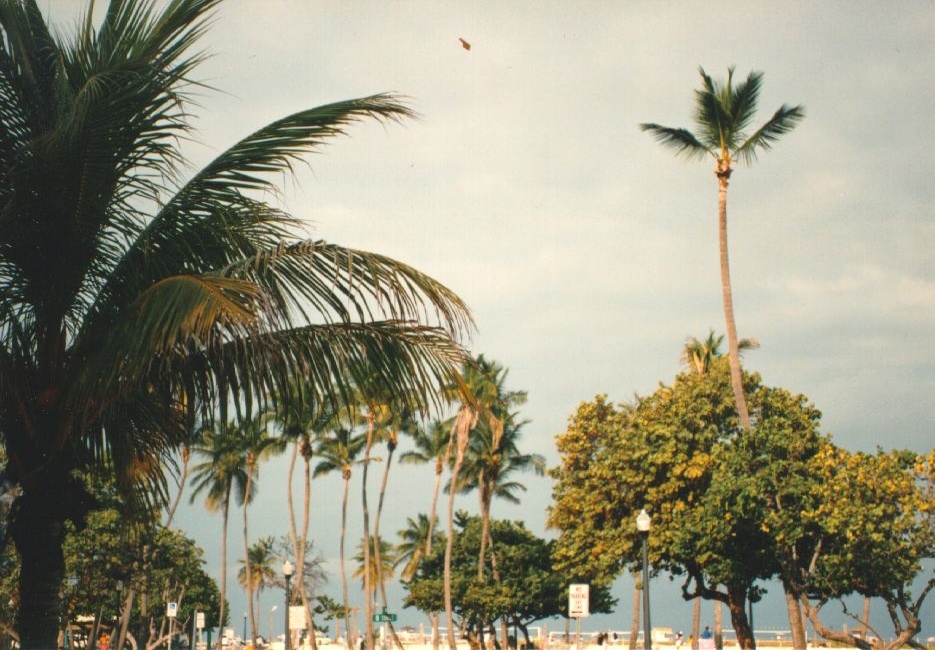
{"x":529,"y":588}
{"x":875,"y":516}
{"x":723,"y":115}
{"x":661,"y":453}
{"x":133,"y":301}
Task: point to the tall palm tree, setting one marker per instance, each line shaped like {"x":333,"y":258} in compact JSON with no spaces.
{"x":258,"y":571}
{"x":431,"y":444}
{"x":219,"y":475}
{"x":723,"y":114}
{"x":490,"y":449}
{"x":338,"y":452}
{"x":255,"y":445}
{"x":134,"y":295}
{"x":302,"y":420}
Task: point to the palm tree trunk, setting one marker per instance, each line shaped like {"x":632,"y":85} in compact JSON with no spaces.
{"x":378,"y":562}
{"x":227,"y":503}
{"x":460,"y":431}
{"x":246,"y":557}
{"x":439,"y":467}
{"x":38,"y":533}
{"x":298,"y":542}
{"x":635,"y":621}
{"x":484,"y":497}
{"x":347,"y":602}
{"x":368,"y":602}
{"x":736,"y":375}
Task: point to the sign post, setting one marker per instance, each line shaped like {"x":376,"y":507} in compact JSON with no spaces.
{"x":578,"y":607}
{"x":172,"y":610}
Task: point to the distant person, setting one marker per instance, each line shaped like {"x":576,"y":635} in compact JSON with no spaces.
{"x":706,"y":634}
{"x":678,"y":639}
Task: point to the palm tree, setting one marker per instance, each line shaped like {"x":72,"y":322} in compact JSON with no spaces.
{"x":723,"y":114}
{"x":416,"y":544}
{"x":339,"y":451}
{"x":431,"y":444}
{"x":136,"y":297}
{"x":258,"y":571}
{"x":221,"y":473}
{"x":490,"y":463}
{"x":367,"y":564}
{"x":256,"y":445}
{"x":302,"y":420}
{"x":493,"y":446}
{"x":698,"y":355}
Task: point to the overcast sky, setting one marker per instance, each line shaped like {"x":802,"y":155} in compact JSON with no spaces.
{"x":587,"y":253}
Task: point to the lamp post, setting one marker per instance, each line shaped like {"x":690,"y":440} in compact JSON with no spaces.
{"x":287,"y":571}
{"x":643,"y":522}
{"x":244,"y":637}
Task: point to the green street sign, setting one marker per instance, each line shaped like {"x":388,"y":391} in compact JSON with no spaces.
{"x":385,"y":617}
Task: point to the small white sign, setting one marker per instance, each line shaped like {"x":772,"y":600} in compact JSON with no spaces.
{"x":578,"y":597}
{"x":297,"y":617}
{"x":172,"y":609}
{"x":200,"y":620}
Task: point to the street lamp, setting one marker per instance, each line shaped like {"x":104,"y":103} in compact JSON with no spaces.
{"x":287,"y":571}
{"x":643,"y":522}
{"x":244,"y":637}
{"x":272,"y":609}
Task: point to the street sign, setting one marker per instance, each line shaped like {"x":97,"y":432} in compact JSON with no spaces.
{"x":385,"y":617}
{"x":172,"y":609}
{"x":578,"y":596}
{"x":200,"y":620}
{"x":298,"y":617}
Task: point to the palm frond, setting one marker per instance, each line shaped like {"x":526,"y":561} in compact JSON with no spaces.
{"x":743,"y":103}
{"x":682,"y":141}
{"x":783,"y":121}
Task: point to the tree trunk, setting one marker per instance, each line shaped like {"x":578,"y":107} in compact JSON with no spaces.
{"x":246,"y":556}
{"x":718,"y":625}
{"x":460,"y":431}
{"x":439,"y":467}
{"x":696,"y":622}
{"x":635,"y":621}
{"x":225,"y":517}
{"x":737,"y":606}
{"x":796,"y":624}
{"x":736,"y":375}
{"x":38,"y":534}
{"x":368,"y":588}
{"x":347,"y":602}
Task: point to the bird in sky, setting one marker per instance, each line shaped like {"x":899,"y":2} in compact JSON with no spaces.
{"x":465,"y":44}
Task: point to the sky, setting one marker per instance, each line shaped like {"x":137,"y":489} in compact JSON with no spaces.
{"x":586,"y":252}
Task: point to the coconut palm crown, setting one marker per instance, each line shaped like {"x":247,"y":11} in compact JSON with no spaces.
{"x":137,"y":298}
{"x":723,"y":116}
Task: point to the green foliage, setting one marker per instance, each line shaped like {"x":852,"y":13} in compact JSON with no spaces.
{"x":528,"y":588}
{"x":732,"y":507}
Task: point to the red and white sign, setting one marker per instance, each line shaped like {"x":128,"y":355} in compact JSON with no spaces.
{"x":578,"y":597}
